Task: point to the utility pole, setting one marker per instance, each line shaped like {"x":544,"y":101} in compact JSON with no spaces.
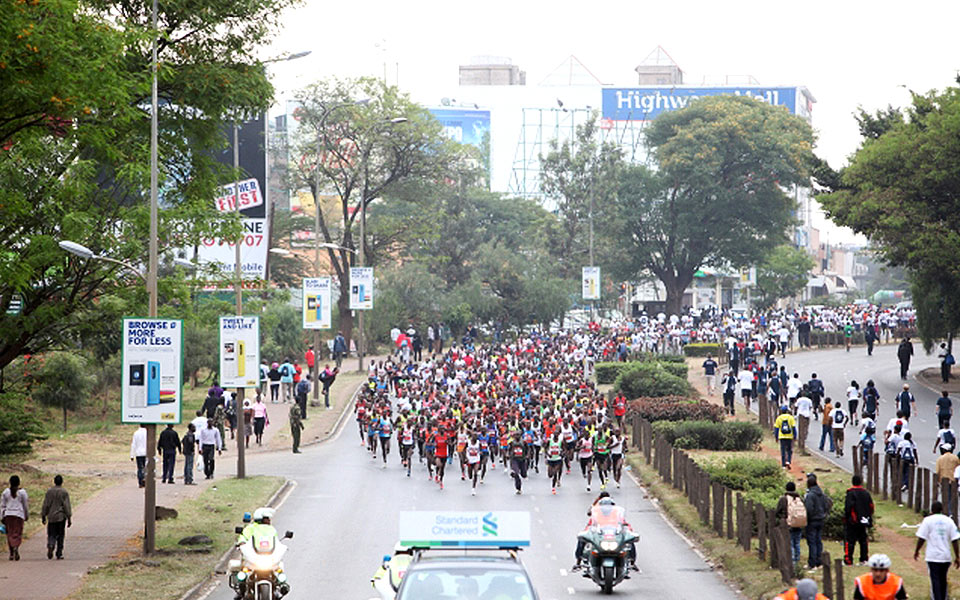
{"x":238,"y":290}
{"x":150,"y":489}
{"x":316,"y":241}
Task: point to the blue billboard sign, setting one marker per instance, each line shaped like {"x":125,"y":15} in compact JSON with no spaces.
{"x":467,"y":126}
{"x":647,"y":103}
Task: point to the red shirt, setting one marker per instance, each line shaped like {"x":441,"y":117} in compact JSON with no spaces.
{"x":309,"y":358}
{"x":441,"y":441}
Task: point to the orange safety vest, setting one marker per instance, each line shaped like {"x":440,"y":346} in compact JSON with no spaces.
{"x":791,"y":594}
{"x":879,"y":591}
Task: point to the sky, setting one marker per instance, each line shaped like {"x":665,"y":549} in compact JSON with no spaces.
{"x":847,"y":53}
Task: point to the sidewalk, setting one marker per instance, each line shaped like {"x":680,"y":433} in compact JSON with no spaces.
{"x":109,"y":524}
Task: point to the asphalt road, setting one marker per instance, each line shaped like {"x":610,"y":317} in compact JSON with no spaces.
{"x":837,"y":367}
{"x":344,"y":511}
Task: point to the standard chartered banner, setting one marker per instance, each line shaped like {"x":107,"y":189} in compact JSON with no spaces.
{"x":317,"y":313}
{"x":239,"y":352}
{"x":590,"y":281}
{"x":152,"y":384}
{"x":361,"y":288}
{"x":497,"y":528}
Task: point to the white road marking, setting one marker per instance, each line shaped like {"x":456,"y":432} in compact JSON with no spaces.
{"x":563,"y":572}
{"x":536,"y":509}
{"x":549,"y":545}
{"x":571,"y":591}
{"x":553,"y":557}
{"x":540,"y":521}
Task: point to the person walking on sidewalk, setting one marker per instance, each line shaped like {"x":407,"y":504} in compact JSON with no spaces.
{"x":792,"y":513}
{"x":310,"y":358}
{"x":57,"y":516}
{"x":296,"y":426}
{"x":818,"y":507}
{"x":785,"y":428}
{"x":260,"y":419}
{"x":14,"y":512}
{"x":339,"y":348}
{"x":826,"y":425}
{"x":904,"y":354}
{"x":939,"y":532}
{"x":138,"y":452}
{"x":210,"y":442}
{"x":167,"y":447}
{"x":303,"y":390}
{"x":287,"y":371}
{"x":804,"y":415}
{"x":189,"y":450}
{"x":327,"y":378}
{"x":857,"y":518}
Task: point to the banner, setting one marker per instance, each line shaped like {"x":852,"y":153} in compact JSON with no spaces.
{"x":361,"y":288}
{"x":317,"y":313}
{"x":647,"y":103}
{"x":220,"y":255}
{"x":250,"y":196}
{"x":239,"y":352}
{"x":497,"y":528}
{"x":152,"y":382}
{"x":590,"y":282}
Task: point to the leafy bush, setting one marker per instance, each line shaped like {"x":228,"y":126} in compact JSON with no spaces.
{"x":607,"y":372}
{"x":19,"y":426}
{"x":64,"y":382}
{"x":710,"y":435}
{"x":675,"y":368}
{"x":702,"y":349}
{"x":650,"y":379}
{"x":761,"y":479}
{"x":675,"y":408}
{"x":656,"y":357}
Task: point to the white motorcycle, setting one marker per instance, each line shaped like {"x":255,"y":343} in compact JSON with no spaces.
{"x":258,"y":574}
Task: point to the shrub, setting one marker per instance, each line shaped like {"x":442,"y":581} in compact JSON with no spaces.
{"x":702,"y":349}
{"x":710,"y":435}
{"x":675,"y":408}
{"x":63,"y":382}
{"x":761,"y":479}
{"x":19,"y":426}
{"x":656,"y":357}
{"x":650,"y":380}
{"x":675,"y":368}
{"x":607,"y":372}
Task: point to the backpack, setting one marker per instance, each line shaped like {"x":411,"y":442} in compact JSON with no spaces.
{"x":871,"y":429}
{"x":284,"y":370}
{"x":908,"y":453}
{"x":949,"y":438}
{"x":785,"y":429}
{"x":796,"y":512}
{"x":838,"y":415}
{"x":816,"y":387}
{"x":949,"y":359}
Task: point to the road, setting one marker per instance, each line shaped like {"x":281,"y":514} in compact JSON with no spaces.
{"x":836,"y":368}
{"x":344,"y":511}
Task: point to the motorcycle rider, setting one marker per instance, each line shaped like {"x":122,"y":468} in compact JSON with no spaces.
{"x":257,"y":532}
{"x":388,"y":576}
{"x":602,"y":512}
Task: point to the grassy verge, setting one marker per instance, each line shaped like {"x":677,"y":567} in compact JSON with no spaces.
{"x":174,"y":569}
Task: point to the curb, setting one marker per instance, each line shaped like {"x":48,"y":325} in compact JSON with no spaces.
{"x":205,"y":587}
{"x":339,"y":422}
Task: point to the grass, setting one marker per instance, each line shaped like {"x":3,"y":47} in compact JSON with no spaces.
{"x":175,"y":569}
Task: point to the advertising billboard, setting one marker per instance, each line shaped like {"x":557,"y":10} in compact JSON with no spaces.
{"x":317,"y":309}
{"x":361,"y":288}
{"x":239,"y":352}
{"x":465,"y":528}
{"x":220,"y":255}
{"x":467,"y":126}
{"x":647,"y":103}
{"x":590,"y":283}
{"x":152,"y":381}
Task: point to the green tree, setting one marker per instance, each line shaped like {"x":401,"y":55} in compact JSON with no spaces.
{"x":62,"y":382}
{"x":717,"y":192}
{"x":783,"y":273}
{"x":19,"y":425}
{"x":902,"y":191}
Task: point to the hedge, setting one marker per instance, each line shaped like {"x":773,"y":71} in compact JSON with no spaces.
{"x":656,"y":357}
{"x":675,"y":408}
{"x":761,"y":479}
{"x":703,"y":349}
{"x":650,"y":379}
{"x":675,"y":368}
{"x":607,"y":372}
{"x":709,"y":435}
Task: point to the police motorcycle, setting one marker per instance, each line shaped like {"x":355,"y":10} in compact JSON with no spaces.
{"x":607,"y":547}
{"x":259,"y":574}
{"x":386,"y":581}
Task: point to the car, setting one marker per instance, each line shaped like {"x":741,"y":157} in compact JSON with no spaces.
{"x":458,"y":573}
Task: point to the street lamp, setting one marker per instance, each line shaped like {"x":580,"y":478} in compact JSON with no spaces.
{"x":86,"y":253}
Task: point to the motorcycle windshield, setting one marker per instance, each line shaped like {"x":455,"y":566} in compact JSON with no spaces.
{"x":264,"y":545}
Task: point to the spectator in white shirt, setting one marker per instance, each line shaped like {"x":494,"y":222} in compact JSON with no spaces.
{"x":939,"y":532}
{"x":804,"y":414}
{"x":209,"y":440}
{"x":138,"y":452}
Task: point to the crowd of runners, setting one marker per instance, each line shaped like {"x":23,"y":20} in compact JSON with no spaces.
{"x":524,"y":407}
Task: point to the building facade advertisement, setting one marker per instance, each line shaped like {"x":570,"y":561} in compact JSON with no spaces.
{"x":361,"y":288}
{"x":152,"y":381}
{"x":250,"y":196}
{"x":590,"y":282}
{"x":239,"y":352}
{"x":647,"y":103}
{"x":317,"y":307}
{"x":219,"y":255}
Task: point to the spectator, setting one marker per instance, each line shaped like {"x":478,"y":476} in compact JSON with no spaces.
{"x":944,"y":410}
{"x":189,"y":449}
{"x":264,"y":371}
{"x":904,"y":354}
{"x":792,"y":513}
{"x":296,"y":426}
{"x":785,"y":428}
{"x":14,"y":512}
{"x":138,"y":452}
{"x":260,"y":419}
{"x":826,"y":425}
{"x":803,"y":332}
{"x":339,"y":348}
{"x":818,"y":507}
{"x":946,"y":361}
{"x":303,"y":390}
{"x":939,"y":532}
{"x":327,"y":378}
{"x":57,"y":516}
{"x":287,"y":372}
{"x":210,"y":442}
{"x":167,"y":447}
{"x":857,"y":518}
{"x":310,"y":358}
{"x":274,"y":376}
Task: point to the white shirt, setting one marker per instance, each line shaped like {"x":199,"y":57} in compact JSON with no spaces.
{"x":138,"y":445}
{"x":746,"y":379}
{"x":804,"y":407}
{"x":838,"y":412}
{"x":210,"y":436}
{"x":939,"y":531}
{"x":793,"y":387}
{"x":784,"y":334}
{"x":15,"y":507}
{"x":853,"y":393}
{"x":904,"y":427}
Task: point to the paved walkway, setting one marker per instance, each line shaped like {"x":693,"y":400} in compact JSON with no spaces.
{"x":109,"y":524}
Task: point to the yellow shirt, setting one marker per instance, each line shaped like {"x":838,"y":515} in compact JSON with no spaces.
{"x":788,"y":420}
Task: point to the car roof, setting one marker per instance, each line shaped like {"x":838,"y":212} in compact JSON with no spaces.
{"x":460,"y":561}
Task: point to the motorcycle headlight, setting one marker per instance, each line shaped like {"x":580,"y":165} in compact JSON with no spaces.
{"x":263,"y":563}
{"x":281,"y":577}
{"x":241,"y":576}
{"x":608,"y":546}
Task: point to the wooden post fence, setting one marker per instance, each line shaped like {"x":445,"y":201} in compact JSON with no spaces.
{"x":827,"y":587}
{"x":838,"y":566}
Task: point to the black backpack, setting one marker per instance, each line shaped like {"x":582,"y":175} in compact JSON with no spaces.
{"x":949,"y":438}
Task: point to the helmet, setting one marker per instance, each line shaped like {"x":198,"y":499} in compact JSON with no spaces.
{"x":264,"y":512}
{"x":606,"y":501}
{"x":879,"y":561}
{"x":806,"y":589}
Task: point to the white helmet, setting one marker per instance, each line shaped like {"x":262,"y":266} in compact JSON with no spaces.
{"x":879,"y":561}
{"x":261,"y":513}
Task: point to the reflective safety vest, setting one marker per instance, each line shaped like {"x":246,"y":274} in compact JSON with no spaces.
{"x":879,"y":591}
{"x":791,"y":594}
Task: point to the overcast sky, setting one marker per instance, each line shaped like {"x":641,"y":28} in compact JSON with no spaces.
{"x":846,"y":53}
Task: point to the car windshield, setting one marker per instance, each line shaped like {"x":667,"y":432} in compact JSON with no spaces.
{"x":474,"y":583}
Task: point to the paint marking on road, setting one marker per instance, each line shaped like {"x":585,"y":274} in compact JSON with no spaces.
{"x":563,"y":572}
{"x":571,"y":591}
{"x":677,"y":531}
{"x":553,"y":557}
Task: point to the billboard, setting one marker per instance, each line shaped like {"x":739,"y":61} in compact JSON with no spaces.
{"x":590,"y":283}
{"x":467,"y":126}
{"x":250,"y":196}
{"x":152,"y":382}
{"x":647,"y":103}
{"x":220,"y":255}
{"x":239,"y":352}
{"x":252,"y":158}
{"x":317,"y":308}
{"x":361,"y":288}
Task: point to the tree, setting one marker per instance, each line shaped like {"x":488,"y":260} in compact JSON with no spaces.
{"x":62,"y":382}
{"x":361,"y":138}
{"x":716,"y":194}
{"x":902,"y":190}
{"x":783,"y":273}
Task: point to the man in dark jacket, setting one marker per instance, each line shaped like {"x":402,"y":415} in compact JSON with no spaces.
{"x":818,"y":507}
{"x":327,"y":377}
{"x":857,"y":517}
{"x":189,"y":442}
{"x":167,"y":446}
{"x":904,"y":354}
